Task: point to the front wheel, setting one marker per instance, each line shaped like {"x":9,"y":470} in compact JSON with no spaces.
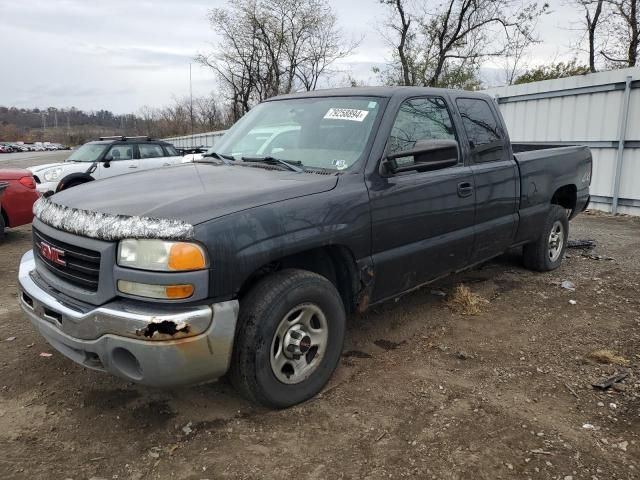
{"x":545,"y":254}
{"x":289,"y":339}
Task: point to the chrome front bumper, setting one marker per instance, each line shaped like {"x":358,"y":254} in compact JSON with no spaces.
{"x":153,"y":345}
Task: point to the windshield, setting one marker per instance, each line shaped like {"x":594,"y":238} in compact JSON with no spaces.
{"x":328,"y":132}
{"x":89,"y":152}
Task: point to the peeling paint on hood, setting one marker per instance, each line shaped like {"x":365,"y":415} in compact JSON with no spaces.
{"x":104,"y":226}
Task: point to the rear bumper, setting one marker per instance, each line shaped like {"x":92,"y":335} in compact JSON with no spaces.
{"x":112,"y":338}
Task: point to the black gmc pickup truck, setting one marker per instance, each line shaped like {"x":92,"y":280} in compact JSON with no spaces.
{"x":311,"y":207}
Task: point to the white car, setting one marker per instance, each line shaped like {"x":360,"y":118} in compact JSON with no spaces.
{"x":108,"y":157}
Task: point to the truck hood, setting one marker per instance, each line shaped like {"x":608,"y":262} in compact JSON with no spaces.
{"x":192,"y":192}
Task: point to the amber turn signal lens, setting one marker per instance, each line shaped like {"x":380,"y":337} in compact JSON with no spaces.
{"x":179,"y":291}
{"x":186,"y":256}
{"x":167,"y":292}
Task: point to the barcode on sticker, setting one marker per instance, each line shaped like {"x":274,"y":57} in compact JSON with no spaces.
{"x":346,"y":114}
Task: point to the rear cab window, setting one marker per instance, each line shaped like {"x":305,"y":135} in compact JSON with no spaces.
{"x":486,"y":141}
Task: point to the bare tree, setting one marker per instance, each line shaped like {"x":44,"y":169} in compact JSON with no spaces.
{"x":269,"y":47}
{"x":444,"y":47}
{"x":405,"y":37}
{"x":624,"y":29}
{"x":592,"y":28}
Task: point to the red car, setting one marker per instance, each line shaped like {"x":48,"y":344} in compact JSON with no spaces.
{"x":16,"y":202}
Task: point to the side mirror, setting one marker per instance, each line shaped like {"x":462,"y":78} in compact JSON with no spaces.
{"x":427,"y":155}
{"x":106,"y":163}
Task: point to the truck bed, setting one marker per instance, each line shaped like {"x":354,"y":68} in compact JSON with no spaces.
{"x":543,"y":170}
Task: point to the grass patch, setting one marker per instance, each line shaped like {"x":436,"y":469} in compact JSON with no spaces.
{"x":462,"y":300}
{"x":607,"y":356}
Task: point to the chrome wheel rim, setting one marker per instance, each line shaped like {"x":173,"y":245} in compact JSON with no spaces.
{"x":299,"y":343}
{"x":556,"y":241}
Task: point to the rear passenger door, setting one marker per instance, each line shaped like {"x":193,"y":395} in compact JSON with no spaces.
{"x":422,"y":221}
{"x":152,"y":155}
{"x":495,"y":176}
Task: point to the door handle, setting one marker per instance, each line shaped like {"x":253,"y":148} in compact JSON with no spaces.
{"x":133,"y":166}
{"x":465,"y":189}
{"x":166,"y":164}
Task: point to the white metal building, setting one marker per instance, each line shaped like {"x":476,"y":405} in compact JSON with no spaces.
{"x":601,"y":110}
{"x":208,"y":139}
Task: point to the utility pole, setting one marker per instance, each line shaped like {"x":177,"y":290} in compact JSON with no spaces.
{"x":191,"y":104}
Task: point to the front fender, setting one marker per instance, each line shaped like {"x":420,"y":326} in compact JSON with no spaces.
{"x":73,"y":179}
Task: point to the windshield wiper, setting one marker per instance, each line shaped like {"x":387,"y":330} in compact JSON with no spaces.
{"x":219,"y":156}
{"x":290,"y":164}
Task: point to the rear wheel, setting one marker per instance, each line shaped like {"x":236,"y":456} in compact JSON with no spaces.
{"x":546,"y":252}
{"x":2,"y":225}
{"x":289,"y":339}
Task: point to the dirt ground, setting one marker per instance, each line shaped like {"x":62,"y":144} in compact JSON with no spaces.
{"x":421,"y":392}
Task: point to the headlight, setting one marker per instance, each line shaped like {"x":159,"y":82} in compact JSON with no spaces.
{"x":52,"y":174}
{"x":159,"y":255}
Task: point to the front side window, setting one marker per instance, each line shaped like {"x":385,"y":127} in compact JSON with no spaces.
{"x":150,"y":150}
{"x":325,"y":132}
{"x":420,"y":119}
{"x":120,"y":152}
{"x":482,"y":128}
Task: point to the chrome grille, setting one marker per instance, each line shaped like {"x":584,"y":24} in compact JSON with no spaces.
{"x":81,"y":266}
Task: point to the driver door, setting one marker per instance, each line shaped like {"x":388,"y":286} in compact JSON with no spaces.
{"x":120,"y":159}
{"x":422,"y":221}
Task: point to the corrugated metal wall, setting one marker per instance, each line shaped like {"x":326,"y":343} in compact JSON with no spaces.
{"x":589,"y":110}
{"x":208,"y":139}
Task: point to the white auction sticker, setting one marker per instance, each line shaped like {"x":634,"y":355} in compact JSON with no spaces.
{"x":346,"y":114}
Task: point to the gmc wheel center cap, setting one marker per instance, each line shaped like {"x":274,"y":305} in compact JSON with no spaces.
{"x":296,"y":342}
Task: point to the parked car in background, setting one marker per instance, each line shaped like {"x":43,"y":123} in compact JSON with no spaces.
{"x":3,"y":187}
{"x":189,"y":154}
{"x":16,"y":207}
{"x":250,"y":260}
{"x":16,"y":147}
{"x":107,"y":157}
{"x":5,"y":149}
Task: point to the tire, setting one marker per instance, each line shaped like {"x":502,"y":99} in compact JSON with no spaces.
{"x":545,"y":254}
{"x":2,"y":226}
{"x":263,"y":367}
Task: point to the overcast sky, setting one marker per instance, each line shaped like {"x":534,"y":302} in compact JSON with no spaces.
{"x":120,"y":55}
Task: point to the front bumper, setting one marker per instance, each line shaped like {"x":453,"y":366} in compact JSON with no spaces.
{"x":119,"y":337}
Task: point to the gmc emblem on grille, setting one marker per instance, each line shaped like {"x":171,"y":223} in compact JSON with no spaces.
{"x":52,"y":254}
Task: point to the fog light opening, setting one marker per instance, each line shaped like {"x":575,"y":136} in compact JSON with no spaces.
{"x":127,"y":363}
{"x":27,"y":299}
